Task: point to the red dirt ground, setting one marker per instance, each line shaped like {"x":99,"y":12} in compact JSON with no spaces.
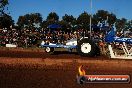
{"x":31,"y":69}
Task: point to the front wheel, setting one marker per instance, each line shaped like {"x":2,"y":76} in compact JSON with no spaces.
{"x":87,"y":47}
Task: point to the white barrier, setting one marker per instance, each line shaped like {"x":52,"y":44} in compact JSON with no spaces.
{"x":10,"y":45}
{"x":112,"y":54}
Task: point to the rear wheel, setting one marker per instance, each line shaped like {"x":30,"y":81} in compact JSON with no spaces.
{"x":49,"y":49}
{"x":87,"y":47}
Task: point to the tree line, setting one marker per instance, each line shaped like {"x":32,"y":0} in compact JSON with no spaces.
{"x":68,"y":22}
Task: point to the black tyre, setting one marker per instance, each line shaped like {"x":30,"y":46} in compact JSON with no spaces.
{"x":49,"y":49}
{"x":86,"y":47}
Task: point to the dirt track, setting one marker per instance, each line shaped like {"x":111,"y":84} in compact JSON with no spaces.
{"x":20,"y":69}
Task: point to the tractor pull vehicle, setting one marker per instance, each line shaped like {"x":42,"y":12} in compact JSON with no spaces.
{"x":88,"y":47}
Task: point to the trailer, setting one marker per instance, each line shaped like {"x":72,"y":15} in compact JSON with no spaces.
{"x":50,"y":47}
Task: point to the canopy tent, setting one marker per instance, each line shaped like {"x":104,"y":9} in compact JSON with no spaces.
{"x":54,"y":26}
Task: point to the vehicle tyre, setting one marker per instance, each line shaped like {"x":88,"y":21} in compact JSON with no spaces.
{"x":87,"y":47}
{"x":49,"y":49}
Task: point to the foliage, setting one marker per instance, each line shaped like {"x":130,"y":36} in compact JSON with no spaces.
{"x":102,"y":16}
{"x":30,"y":21}
{"x":128,"y":26}
{"x":83,"y":20}
{"x":120,"y":24}
{"x":52,"y":17}
{"x":34,"y":20}
{"x":3,"y":4}
{"x":68,"y":21}
{"x":6,"y":21}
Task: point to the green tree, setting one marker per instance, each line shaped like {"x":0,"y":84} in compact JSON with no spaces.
{"x":103,"y":16}
{"x":3,"y":4}
{"x":128,"y":25}
{"x":65,"y":25}
{"x":36,"y":19}
{"x":68,"y":21}
{"x":52,"y":17}
{"x":30,"y":21}
{"x":111,"y":18}
{"x":120,"y":24}
{"x":21,"y":21}
{"x":44,"y":24}
{"x":83,"y":20}
{"x":6,"y":21}
{"x":94,"y":20}
{"x":68,"y":18}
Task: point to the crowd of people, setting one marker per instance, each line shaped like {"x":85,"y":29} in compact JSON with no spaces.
{"x":16,"y":37}
{"x":28,"y":38}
